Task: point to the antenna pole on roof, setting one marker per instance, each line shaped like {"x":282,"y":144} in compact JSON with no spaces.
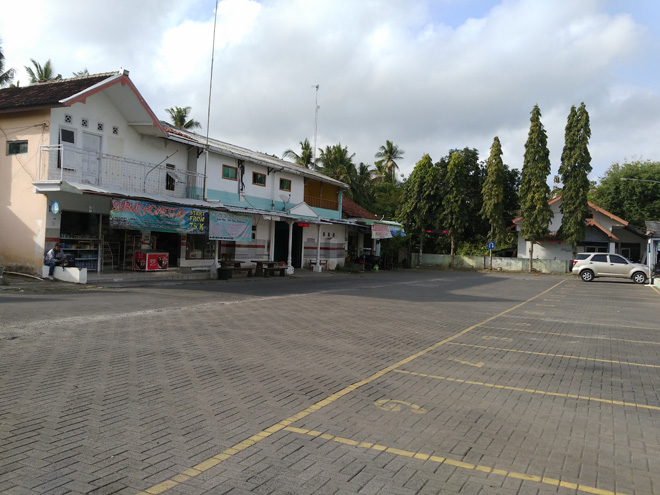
{"x":316,"y":120}
{"x":208,"y":115}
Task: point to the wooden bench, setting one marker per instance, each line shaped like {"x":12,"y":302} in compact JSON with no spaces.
{"x":271,"y":271}
{"x":225,"y":273}
{"x":247,"y":269}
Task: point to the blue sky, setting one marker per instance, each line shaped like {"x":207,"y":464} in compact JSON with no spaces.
{"x":430,"y":75}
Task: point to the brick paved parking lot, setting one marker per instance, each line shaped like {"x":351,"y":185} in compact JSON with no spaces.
{"x":409,"y":382}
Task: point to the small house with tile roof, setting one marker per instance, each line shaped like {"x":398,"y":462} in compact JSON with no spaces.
{"x":606,"y":233}
{"x":364,"y":238}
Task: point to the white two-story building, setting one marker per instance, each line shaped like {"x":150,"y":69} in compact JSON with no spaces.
{"x":86,"y":163}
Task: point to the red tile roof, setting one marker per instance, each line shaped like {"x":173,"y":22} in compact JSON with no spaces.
{"x":47,"y":94}
{"x":351,"y":209}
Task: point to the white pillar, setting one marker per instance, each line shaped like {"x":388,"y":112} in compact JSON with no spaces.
{"x":317,"y":267}
{"x":288,"y":258}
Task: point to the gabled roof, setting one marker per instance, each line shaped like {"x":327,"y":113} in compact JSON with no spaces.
{"x":591,"y":205}
{"x":220,"y":147}
{"x":47,"y":94}
{"x":594,"y":223}
{"x":118,"y":87}
{"x":350,"y":209}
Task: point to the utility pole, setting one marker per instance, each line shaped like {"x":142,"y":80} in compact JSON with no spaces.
{"x":316,"y":121}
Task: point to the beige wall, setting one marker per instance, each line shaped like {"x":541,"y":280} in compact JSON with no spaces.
{"x":22,"y":211}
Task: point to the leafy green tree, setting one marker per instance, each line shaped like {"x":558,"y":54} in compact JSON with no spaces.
{"x":534,"y":189}
{"x":337,"y":163}
{"x":179,"y":118}
{"x":386,"y":164}
{"x":477,"y":228}
{"x":492,"y":193}
{"x":81,"y":73}
{"x":421,"y":200}
{"x":386,"y":199}
{"x":633,"y":200}
{"x":574,"y":171}
{"x":41,"y":73}
{"x":6,"y":76}
{"x":306,"y":156}
{"x":511,"y":196}
{"x":455,"y":212}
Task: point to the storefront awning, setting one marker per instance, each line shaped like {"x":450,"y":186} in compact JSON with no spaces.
{"x":383,"y":229}
{"x":80,"y":188}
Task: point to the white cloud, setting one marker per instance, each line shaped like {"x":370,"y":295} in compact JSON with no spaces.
{"x":386,"y":70}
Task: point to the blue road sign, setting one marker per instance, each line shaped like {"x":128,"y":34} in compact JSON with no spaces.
{"x":491,"y":245}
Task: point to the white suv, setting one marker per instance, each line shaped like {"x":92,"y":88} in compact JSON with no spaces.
{"x":591,"y":265}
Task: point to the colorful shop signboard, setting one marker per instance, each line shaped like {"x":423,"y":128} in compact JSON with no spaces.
{"x":143,"y":215}
{"x":229,"y":227}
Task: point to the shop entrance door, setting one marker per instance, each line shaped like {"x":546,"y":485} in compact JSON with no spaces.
{"x":297,"y":246}
{"x":91,"y":158}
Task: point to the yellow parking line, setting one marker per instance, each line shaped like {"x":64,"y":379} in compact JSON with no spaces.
{"x":532,"y":391}
{"x":645,"y":342}
{"x":589,"y":323}
{"x":456,"y":463}
{"x":557,"y":355}
{"x":226,"y":454}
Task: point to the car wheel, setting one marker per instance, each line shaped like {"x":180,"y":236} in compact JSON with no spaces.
{"x":587,"y":275}
{"x":639,"y":278}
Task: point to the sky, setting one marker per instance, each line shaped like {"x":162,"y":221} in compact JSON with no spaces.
{"x":428,"y":75}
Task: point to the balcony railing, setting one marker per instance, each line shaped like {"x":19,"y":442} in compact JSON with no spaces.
{"x":326,"y":204}
{"x":64,"y":163}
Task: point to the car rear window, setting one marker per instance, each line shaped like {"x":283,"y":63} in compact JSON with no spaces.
{"x":582,"y":256}
{"x":600,"y":257}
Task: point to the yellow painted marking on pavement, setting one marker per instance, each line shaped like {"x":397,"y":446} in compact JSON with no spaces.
{"x":460,"y":464}
{"x":540,"y":313}
{"x":285,"y":424}
{"x":611,"y":361}
{"x":476,"y":365}
{"x":532,"y":391}
{"x":576,"y":322}
{"x":571,"y":335}
{"x":546,"y":305}
{"x":395,"y":406}
{"x":492,"y":337}
{"x":655,"y":289}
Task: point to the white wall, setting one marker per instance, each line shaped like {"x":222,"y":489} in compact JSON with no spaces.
{"x":126,"y":143}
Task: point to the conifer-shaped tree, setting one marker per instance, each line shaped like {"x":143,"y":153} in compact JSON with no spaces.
{"x":534,"y":189}
{"x":492,"y":193}
{"x":421,"y":200}
{"x":454,"y":203}
{"x":574,"y":172}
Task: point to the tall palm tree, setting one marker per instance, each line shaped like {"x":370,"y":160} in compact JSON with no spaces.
{"x":41,"y":73}
{"x":306,"y":157}
{"x":179,"y":117}
{"x":81,"y":73}
{"x":6,"y":76}
{"x":337,"y":163}
{"x":386,"y":164}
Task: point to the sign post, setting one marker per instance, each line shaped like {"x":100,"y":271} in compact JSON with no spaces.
{"x":491,"y":248}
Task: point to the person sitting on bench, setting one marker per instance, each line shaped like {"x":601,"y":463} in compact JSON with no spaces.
{"x":53,"y":258}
